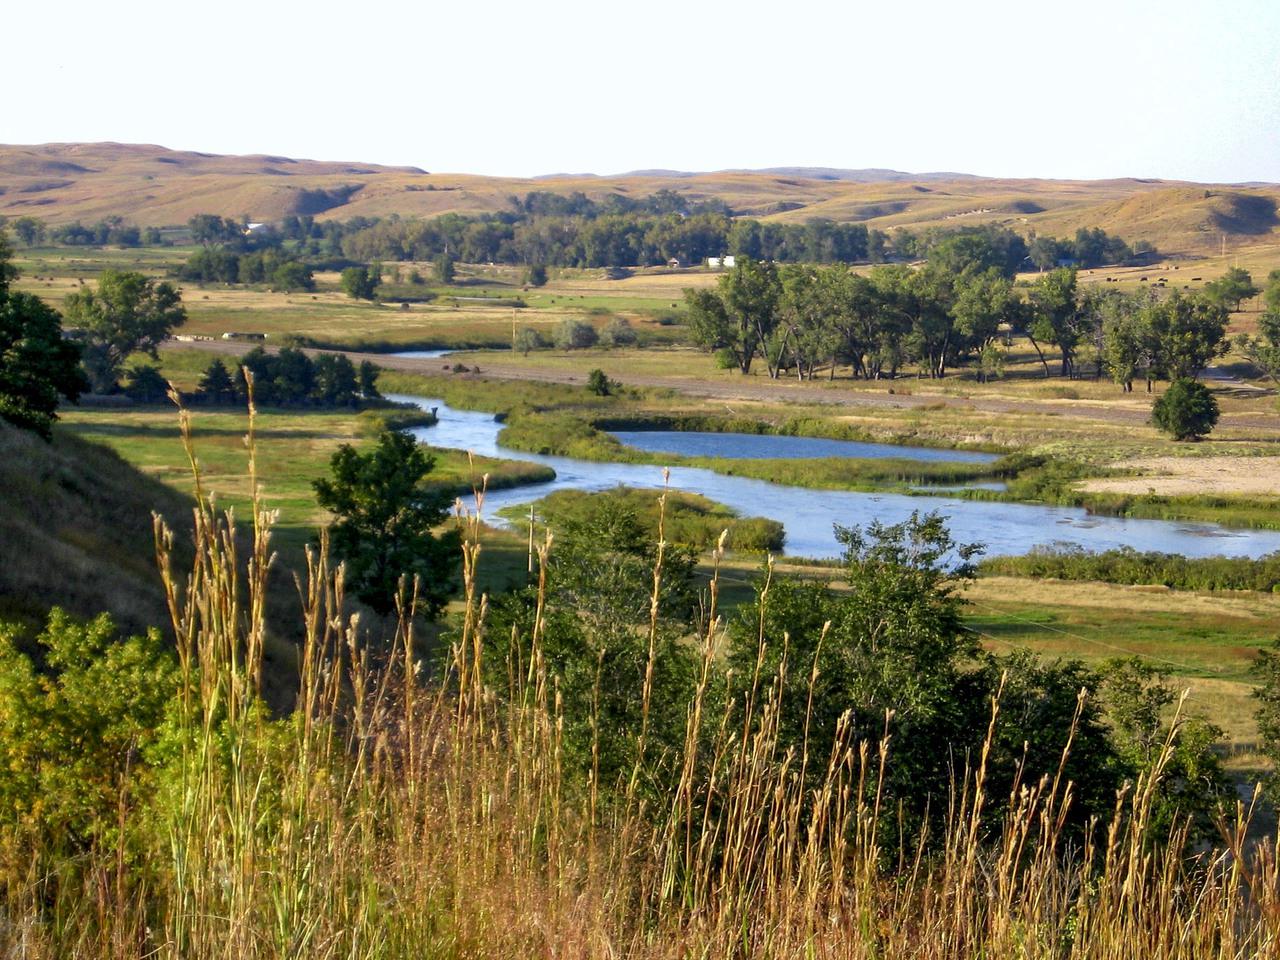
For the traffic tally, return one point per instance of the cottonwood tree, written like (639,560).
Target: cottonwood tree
(128,313)
(1231,289)
(1129,346)
(29,230)
(1263,350)
(1190,333)
(739,317)
(1055,317)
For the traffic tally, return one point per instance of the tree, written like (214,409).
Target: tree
(527,339)
(360,283)
(29,230)
(618,332)
(1231,289)
(740,316)
(895,641)
(575,335)
(711,328)
(1045,252)
(1188,333)
(334,381)
(1192,783)
(809,304)
(1263,351)
(80,709)
(982,302)
(536,276)
(38,366)
(1055,317)
(292,275)
(1128,344)
(599,383)
(751,292)
(1267,670)
(368,374)
(216,383)
(385,516)
(1186,411)
(444,268)
(209,229)
(925,298)
(597,626)
(128,313)
(145,384)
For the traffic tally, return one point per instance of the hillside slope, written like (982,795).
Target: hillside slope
(154,186)
(75,530)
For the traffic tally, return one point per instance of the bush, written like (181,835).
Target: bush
(599,383)
(618,333)
(575,335)
(1186,411)
(536,276)
(528,339)
(1129,566)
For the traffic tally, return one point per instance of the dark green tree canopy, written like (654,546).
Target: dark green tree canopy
(360,283)
(385,515)
(128,313)
(216,383)
(1186,411)
(38,366)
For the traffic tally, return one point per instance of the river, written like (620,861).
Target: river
(808,514)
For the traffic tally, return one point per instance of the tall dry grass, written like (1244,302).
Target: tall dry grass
(396,814)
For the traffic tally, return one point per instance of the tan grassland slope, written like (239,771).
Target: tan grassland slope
(154,186)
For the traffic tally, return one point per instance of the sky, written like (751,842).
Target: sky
(1079,90)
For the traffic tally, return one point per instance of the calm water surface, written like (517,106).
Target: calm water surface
(751,446)
(808,515)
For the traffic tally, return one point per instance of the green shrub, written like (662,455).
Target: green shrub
(598,382)
(1186,411)
(575,335)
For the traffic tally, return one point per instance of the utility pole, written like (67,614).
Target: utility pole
(531,541)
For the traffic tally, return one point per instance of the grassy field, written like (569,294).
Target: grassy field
(294,449)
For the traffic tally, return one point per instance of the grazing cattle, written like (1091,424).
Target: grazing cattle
(1143,279)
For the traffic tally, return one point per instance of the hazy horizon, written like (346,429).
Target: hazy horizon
(1114,90)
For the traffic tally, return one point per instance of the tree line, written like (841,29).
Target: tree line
(608,239)
(544,229)
(113,230)
(960,307)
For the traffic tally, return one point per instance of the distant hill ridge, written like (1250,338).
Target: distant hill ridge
(868,175)
(154,186)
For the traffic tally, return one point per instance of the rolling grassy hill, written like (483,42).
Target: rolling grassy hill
(76,530)
(153,186)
